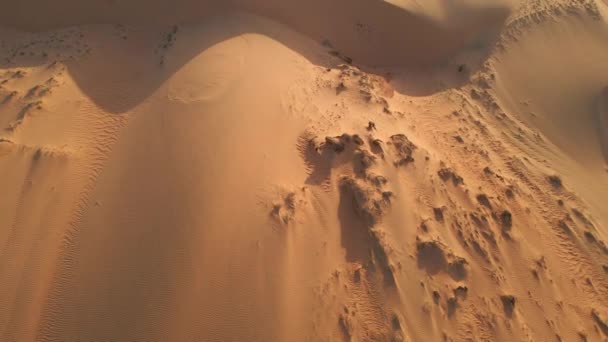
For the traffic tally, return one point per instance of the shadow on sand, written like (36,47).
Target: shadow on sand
(376,35)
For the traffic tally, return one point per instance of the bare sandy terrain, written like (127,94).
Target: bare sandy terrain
(265,170)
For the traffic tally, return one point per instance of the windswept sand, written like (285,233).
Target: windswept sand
(304,170)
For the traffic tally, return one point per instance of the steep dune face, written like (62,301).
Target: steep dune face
(236,176)
(565,110)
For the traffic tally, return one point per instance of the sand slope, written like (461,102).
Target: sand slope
(270,171)
(372,32)
(603,120)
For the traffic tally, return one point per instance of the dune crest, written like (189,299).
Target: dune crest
(210,74)
(376,33)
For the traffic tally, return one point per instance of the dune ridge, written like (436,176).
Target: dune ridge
(358,28)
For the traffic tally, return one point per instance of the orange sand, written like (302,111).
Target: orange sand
(266,170)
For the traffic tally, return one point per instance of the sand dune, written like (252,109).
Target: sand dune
(372,32)
(564,111)
(304,171)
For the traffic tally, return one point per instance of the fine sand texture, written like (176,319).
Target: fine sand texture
(288,170)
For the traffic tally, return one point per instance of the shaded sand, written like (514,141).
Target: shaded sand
(303,171)
(603,120)
(376,33)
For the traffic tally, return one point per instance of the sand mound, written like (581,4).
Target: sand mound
(245,170)
(433,258)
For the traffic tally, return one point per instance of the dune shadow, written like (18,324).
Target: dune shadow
(603,121)
(371,34)
(354,232)
(119,75)
(431,258)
